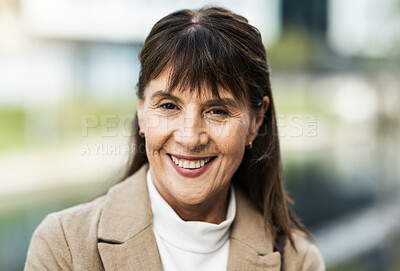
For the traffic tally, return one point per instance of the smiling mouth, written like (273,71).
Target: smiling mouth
(191,164)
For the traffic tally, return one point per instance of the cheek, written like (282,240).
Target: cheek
(230,138)
(156,130)
(227,130)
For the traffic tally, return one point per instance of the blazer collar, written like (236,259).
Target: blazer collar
(126,240)
(126,210)
(125,236)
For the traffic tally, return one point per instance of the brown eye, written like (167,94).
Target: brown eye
(218,111)
(168,106)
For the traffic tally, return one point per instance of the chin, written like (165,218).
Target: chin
(191,198)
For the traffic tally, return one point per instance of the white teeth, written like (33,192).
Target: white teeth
(190,164)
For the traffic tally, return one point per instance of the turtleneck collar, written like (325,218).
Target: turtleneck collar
(192,236)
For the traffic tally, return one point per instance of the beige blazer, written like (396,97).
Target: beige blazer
(114,232)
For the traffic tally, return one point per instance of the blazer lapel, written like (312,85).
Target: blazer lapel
(250,248)
(125,236)
(138,253)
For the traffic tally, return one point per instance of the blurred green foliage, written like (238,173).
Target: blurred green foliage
(12,128)
(73,114)
(23,128)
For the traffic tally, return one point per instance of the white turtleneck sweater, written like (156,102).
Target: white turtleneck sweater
(189,245)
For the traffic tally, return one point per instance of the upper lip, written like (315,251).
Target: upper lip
(191,157)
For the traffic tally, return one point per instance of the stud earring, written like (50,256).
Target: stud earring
(250,146)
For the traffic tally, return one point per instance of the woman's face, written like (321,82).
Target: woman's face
(194,144)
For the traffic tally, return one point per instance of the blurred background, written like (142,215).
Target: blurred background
(68,71)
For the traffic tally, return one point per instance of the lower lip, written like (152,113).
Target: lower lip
(191,172)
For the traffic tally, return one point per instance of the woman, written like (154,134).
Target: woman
(204,189)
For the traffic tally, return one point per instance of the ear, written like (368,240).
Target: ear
(139,111)
(258,120)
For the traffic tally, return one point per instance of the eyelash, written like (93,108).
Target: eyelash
(222,111)
(163,106)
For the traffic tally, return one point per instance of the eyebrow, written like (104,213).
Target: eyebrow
(209,103)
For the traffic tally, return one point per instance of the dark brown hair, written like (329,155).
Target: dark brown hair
(215,48)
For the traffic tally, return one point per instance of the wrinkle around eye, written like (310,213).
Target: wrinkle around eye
(234,113)
(158,105)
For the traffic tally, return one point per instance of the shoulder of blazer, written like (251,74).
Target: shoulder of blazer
(251,247)
(307,256)
(121,207)
(60,239)
(77,229)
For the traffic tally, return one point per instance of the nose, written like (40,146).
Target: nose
(191,134)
